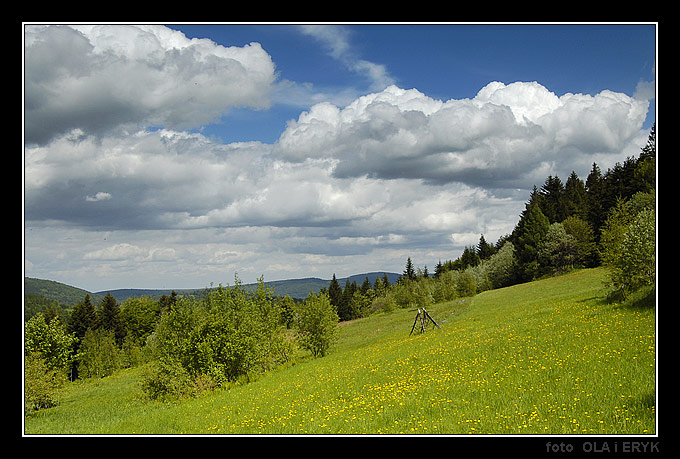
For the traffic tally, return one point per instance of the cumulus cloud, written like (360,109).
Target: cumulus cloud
(498,138)
(347,186)
(101,79)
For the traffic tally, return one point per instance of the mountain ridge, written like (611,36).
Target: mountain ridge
(297,288)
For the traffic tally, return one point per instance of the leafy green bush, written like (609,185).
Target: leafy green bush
(628,244)
(99,355)
(47,358)
(206,343)
(41,383)
(316,323)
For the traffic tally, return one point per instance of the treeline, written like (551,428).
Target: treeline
(192,344)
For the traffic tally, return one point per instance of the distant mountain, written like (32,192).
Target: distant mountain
(295,288)
(64,294)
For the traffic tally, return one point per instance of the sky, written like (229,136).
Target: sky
(189,155)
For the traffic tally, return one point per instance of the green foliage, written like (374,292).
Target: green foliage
(528,235)
(582,232)
(50,341)
(140,315)
(316,323)
(35,303)
(206,343)
(109,318)
(628,244)
(41,383)
(83,317)
(47,358)
(409,271)
(99,355)
(558,249)
(501,266)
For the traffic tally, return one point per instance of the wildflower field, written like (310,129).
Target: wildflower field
(548,357)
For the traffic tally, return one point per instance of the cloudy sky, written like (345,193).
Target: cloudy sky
(176,156)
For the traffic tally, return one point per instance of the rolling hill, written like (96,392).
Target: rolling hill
(295,288)
(549,357)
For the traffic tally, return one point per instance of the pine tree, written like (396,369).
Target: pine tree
(530,231)
(484,249)
(468,258)
(109,318)
(552,199)
(596,210)
(409,272)
(575,203)
(438,269)
(365,286)
(645,169)
(335,293)
(83,317)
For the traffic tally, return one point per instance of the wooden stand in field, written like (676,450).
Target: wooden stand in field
(422,315)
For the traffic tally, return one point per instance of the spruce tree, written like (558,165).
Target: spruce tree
(83,317)
(409,272)
(575,197)
(335,293)
(596,210)
(109,318)
(484,249)
(552,199)
(530,231)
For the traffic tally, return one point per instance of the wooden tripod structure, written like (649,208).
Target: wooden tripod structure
(422,315)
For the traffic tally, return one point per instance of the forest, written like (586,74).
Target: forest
(228,335)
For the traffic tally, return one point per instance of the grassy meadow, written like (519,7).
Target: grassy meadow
(548,357)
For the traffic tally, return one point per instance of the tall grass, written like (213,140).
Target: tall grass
(549,357)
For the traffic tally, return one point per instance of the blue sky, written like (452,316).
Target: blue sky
(178,156)
(447,61)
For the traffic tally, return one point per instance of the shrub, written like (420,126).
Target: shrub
(558,250)
(316,323)
(445,286)
(628,244)
(99,355)
(41,383)
(383,303)
(206,343)
(47,359)
(501,266)
(466,284)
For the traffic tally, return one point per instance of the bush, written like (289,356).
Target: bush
(445,286)
(316,323)
(413,293)
(628,244)
(501,266)
(99,354)
(558,250)
(47,359)
(206,343)
(383,303)
(41,383)
(467,286)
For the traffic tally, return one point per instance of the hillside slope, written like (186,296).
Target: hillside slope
(547,357)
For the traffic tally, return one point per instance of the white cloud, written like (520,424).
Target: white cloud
(114,185)
(103,78)
(497,139)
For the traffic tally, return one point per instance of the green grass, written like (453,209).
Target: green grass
(549,357)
